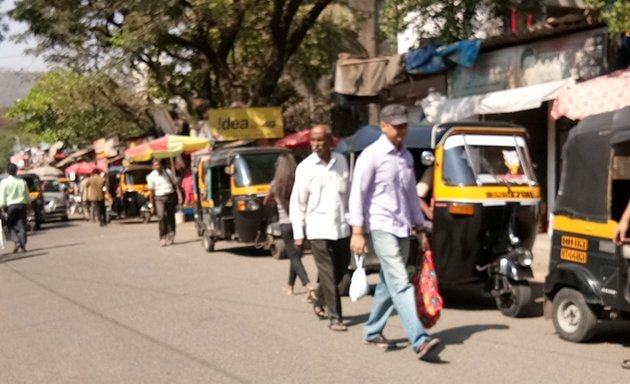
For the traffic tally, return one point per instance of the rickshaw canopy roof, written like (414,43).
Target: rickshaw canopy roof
(222,157)
(584,182)
(417,137)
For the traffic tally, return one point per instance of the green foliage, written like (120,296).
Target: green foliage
(615,13)
(209,53)
(75,109)
(8,135)
(453,19)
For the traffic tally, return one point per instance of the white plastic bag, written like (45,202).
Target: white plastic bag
(2,240)
(358,284)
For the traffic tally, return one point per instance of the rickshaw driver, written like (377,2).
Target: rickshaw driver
(620,237)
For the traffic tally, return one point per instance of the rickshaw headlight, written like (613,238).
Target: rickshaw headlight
(253,205)
(525,257)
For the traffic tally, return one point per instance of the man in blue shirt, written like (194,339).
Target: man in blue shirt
(14,199)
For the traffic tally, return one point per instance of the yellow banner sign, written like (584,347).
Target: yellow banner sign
(246,123)
(572,255)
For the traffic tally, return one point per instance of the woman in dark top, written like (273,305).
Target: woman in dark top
(280,192)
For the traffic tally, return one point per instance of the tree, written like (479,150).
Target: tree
(209,53)
(8,138)
(450,20)
(615,13)
(76,109)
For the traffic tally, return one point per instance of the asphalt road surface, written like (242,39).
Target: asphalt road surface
(109,305)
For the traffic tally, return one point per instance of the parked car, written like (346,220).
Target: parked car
(55,199)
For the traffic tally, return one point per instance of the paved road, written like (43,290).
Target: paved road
(92,305)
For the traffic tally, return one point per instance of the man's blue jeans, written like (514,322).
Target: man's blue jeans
(393,290)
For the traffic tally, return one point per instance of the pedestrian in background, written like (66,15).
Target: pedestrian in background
(87,214)
(280,192)
(317,209)
(95,192)
(164,197)
(14,200)
(384,202)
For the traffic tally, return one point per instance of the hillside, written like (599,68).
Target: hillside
(15,85)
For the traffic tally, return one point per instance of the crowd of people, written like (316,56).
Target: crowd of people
(335,214)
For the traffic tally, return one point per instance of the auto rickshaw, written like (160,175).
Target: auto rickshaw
(35,216)
(485,207)
(132,193)
(230,186)
(589,276)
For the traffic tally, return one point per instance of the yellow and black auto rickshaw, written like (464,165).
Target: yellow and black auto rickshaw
(132,193)
(36,211)
(589,277)
(230,186)
(485,207)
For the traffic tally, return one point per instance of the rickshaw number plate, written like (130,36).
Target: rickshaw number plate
(572,255)
(574,242)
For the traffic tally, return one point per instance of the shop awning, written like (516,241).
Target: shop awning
(598,95)
(441,110)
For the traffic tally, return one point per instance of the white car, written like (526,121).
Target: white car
(55,199)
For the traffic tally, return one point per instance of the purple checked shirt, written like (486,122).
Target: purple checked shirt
(383,194)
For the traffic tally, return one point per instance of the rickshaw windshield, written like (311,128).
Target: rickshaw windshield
(471,159)
(136,177)
(52,186)
(33,184)
(254,169)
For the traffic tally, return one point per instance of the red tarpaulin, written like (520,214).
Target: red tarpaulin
(82,168)
(301,139)
(598,95)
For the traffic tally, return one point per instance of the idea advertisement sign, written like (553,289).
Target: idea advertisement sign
(246,123)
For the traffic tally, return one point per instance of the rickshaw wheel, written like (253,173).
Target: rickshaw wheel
(513,304)
(573,319)
(207,242)
(278,249)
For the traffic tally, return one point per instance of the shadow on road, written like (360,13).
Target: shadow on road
(474,297)
(35,252)
(7,258)
(247,251)
(459,335)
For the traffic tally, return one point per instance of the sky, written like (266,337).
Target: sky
(12,55)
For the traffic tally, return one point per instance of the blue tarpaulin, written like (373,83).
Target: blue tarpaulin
(433,58)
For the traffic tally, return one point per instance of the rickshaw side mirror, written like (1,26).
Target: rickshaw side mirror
(229,169)
(427,158)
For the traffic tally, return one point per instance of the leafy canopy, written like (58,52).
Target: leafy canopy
(209,53)
(450,20)
(615,13)
(77,109)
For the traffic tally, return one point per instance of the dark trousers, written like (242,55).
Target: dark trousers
(16,223)
(332,258)
(296,268)
(98,211)
(165,207)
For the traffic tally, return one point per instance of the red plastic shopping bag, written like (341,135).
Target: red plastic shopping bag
(428,299)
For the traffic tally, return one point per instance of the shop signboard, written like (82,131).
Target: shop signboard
(246,123)
(579,55)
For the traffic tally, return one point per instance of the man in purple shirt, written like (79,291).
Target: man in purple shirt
(383,200)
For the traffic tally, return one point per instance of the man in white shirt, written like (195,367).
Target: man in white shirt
(164,197)
(317,209)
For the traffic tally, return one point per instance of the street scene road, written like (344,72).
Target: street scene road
(109,305)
